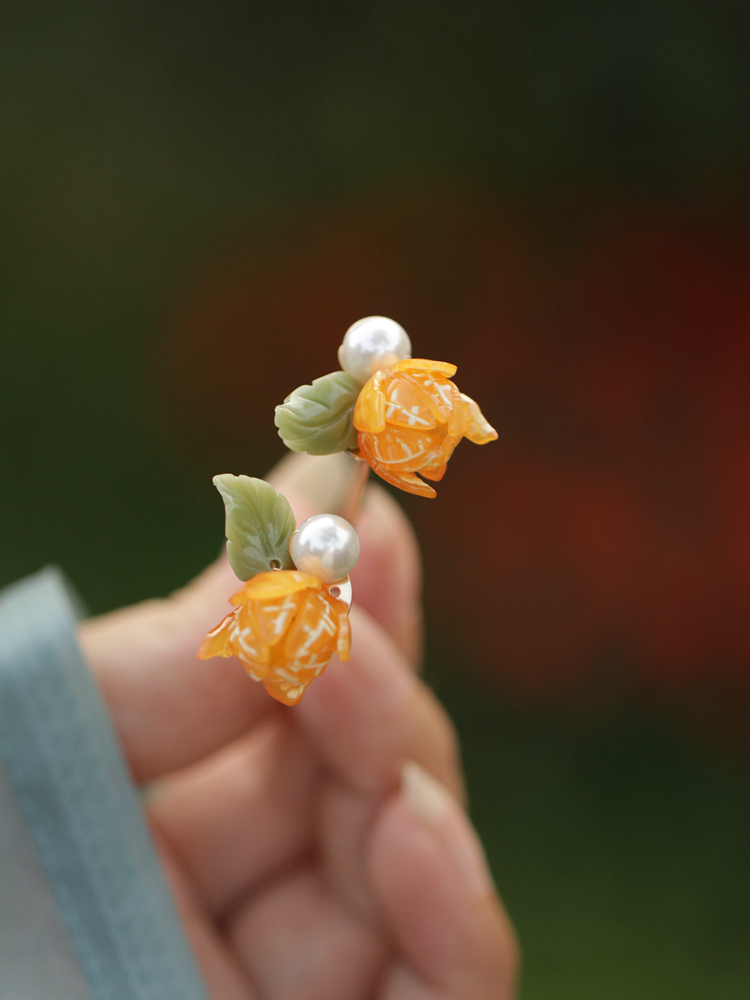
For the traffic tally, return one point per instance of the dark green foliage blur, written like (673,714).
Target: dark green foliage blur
(138,142)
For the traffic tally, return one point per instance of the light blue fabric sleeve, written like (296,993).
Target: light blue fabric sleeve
(81,810)
(37,958)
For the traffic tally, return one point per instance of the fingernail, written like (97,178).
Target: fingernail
(322,480)
(435,807)
(425,795)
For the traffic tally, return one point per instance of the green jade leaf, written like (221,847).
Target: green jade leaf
(259,524)
(317,418)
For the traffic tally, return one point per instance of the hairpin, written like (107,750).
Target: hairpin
(403,416)
(287,622)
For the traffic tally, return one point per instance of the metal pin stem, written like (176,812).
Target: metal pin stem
(352,501)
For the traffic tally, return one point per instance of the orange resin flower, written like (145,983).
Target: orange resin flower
(402,415)
(287,622)
(410,417)
(284,629)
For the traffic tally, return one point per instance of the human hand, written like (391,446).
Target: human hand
(318,852)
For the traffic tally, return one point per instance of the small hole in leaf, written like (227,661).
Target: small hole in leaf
(275,564)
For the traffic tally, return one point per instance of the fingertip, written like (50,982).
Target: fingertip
(313,484)
(387,581)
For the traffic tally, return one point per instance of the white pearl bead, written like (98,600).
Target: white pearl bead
(325,546)
(372,343)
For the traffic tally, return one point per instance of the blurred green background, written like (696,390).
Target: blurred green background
(196,200)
